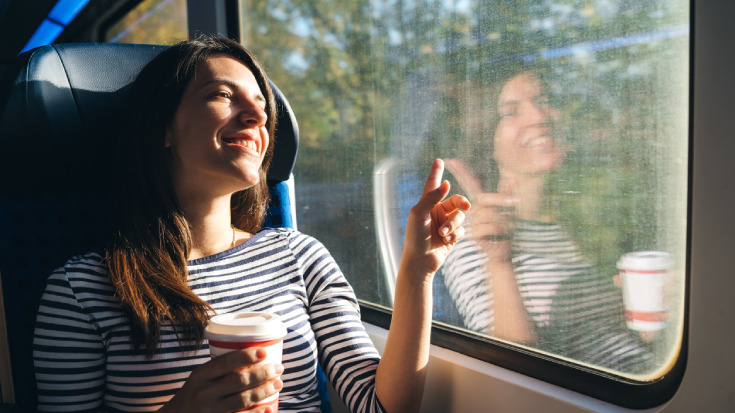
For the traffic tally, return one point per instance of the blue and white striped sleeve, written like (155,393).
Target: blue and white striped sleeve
(68,351)
(469,283)
(346,353)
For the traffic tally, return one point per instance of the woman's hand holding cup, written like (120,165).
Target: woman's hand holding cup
(230,382)
(245,371)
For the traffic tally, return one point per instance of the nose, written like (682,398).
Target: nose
(252,114)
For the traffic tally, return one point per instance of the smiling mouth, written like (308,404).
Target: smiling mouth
(539,141)
(245,143)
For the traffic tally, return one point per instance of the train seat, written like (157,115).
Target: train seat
(57,103)
(397,184)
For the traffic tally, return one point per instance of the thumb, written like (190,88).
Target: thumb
(435,196)
(435,189)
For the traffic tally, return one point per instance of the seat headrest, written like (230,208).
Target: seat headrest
(58,116)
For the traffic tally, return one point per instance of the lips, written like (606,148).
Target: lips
(539,141)
(243,142)
(538,138)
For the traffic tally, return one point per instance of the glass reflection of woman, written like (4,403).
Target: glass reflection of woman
(519,275)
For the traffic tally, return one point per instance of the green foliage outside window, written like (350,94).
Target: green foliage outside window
(352,69)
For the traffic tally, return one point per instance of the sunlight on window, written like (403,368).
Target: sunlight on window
(565,124)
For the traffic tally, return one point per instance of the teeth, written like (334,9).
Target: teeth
(537,141)
(246,143)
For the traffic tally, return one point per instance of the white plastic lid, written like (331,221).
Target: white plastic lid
(646,261)
(245,327)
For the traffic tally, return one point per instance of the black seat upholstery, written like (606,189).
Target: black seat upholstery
(58,114)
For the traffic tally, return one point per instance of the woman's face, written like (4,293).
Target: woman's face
(523,139)
(217,138)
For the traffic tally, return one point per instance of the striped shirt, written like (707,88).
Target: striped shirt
(84,360)
(577,311)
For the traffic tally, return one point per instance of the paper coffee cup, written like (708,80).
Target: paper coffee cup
(229,332)
(644,275)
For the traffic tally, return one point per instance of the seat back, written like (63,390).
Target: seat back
(58,104)
(397,184)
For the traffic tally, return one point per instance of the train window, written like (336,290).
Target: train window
(566,124)
(151,22)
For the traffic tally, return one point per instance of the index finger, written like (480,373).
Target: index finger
(435,176)
(466,179)
(230,362)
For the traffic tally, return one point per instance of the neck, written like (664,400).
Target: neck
(210,224)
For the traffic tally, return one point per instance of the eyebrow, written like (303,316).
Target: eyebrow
(233,85)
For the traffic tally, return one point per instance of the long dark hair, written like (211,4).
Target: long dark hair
(147,254)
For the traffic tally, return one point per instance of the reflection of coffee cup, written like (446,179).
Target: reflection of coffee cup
(228,332)
(645,275)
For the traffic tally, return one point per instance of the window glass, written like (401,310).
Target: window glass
(564,121)
(151,22)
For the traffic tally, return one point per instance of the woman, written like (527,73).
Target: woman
(519,275)
(123,330)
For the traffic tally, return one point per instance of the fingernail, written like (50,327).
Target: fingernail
(275,370)
(278,384)
(444,231)
(261,354)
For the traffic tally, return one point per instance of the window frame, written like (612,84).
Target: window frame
(595,383)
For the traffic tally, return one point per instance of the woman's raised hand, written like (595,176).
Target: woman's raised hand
(434,224)
(492,213)
(227,383)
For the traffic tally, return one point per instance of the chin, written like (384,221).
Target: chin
(249,181)
(552,162)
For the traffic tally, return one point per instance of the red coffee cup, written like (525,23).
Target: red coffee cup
(228,332)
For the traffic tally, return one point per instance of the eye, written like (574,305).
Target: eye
(222,94)
(508,112)
(262,103)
